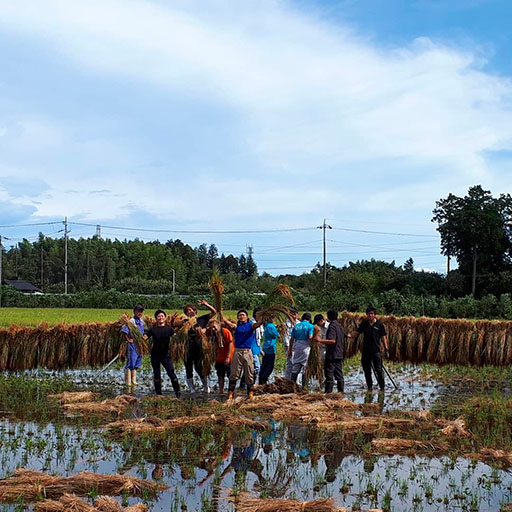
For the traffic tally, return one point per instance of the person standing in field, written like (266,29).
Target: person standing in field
(334,353)
(161,334)
(133,358)
(288,326)
(268,350)
(300,345)
(242,358)
(320,333)
(256,349)
(374,333)
(194,355)
(225,351)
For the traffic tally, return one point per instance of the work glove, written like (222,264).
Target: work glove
(387,354)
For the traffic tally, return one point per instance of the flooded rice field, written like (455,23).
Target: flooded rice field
(210,466)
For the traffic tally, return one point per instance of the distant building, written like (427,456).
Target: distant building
(22,286)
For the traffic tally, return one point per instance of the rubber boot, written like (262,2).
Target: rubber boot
(128,377)
(221,385)
(206,387)
(176,387)
(134,377)
(190,384)
(231,395)
(329,386)
(250,392)
(341,386)
(158,386)
(231,389)
(294,377)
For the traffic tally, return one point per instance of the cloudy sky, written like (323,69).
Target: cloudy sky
(203,116)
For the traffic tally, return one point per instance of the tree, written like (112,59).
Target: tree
(476,228)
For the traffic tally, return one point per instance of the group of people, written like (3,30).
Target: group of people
(240,344)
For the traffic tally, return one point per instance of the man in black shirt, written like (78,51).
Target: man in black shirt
(334,352)
(373,332)
(161,335)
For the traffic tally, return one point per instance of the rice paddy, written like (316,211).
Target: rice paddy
(442,441)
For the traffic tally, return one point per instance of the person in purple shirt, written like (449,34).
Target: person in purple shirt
(133,358)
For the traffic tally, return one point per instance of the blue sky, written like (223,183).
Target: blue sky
(255,115)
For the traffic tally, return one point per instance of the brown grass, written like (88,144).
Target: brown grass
(72,503)
(115,405)
(69,397)
(29,485)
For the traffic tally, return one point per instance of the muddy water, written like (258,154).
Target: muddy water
(286,461)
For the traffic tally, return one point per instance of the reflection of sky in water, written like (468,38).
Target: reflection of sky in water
(283,462)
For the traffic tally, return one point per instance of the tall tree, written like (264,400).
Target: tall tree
(475,229)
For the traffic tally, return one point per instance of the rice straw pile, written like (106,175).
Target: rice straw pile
(70,502)
(500,457)
(439,340)
(244,502)
(69,397)
(141,344)
(29,485)
(280,386)
(315,366)
(156,425)
(115,405)
(456,428)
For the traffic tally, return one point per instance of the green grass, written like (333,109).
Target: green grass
(52,316)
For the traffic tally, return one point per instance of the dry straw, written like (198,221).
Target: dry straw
(244,502)
(277,305)
(115,405)
(72,503)
(29,485)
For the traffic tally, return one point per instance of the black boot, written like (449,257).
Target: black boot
(158,386)
(176,387)
(341,386)
(294,377)
(329,385)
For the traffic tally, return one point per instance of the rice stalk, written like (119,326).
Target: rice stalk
(277,304)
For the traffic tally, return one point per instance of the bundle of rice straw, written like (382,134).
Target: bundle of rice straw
(70,502)
(29,485)
(280,386)
(277,305)
(115,405)
(69,397)
(456,428)
(217,289)
(141,344)
(247,503)
(179,342)
(315,366)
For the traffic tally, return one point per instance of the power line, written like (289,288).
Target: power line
(29,225)
(384,233)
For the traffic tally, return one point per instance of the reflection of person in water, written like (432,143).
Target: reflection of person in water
(297,440)
(333,460)
(210,463)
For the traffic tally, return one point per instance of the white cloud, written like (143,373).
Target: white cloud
(315,99)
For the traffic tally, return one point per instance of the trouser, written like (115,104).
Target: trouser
(242,361)
(133,359)
(267,367)
(257,367)
(194,359)
(300,356)
(288,367)
(165,361)
(333,370)
(376,359)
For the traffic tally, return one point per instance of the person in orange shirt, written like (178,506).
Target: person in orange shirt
(225,350)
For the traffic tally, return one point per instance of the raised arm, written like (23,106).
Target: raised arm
(213,311)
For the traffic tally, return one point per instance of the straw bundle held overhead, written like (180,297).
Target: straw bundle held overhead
(277,305)
(217,289)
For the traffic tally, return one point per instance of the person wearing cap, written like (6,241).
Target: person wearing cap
(133,358)
(242,358)
(374,333)
(161,334)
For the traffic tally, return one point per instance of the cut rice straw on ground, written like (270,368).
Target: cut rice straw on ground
(157,425)
(247,503)
(29,485)
(115,405)
(72,503)
(280,386)
(70,397)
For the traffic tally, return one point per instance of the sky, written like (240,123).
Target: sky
(248,123)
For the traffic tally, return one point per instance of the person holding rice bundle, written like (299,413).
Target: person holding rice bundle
(225,350)
(194,355)
(133,358)
(242,358)
(161,334)
(270,334)
(300,345)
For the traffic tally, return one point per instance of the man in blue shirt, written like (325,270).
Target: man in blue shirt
(242,358)
(300,345)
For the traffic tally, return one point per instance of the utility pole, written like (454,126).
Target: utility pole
(1,251)
(323,227)
(473,280)
(65,255)
(173,280)
(250,250)
(42,275)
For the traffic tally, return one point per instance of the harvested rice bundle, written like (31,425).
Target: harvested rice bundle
(280,386)
(69,397)
(70,502)
(406,446)
(179,342)
(456,428)
(277,305)
(141,344)
(116,405)
(247,503)
(500,457)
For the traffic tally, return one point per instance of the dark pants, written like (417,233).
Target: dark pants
(333,370)
(267,367)
(367,361)
(165,361)
(194,359)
